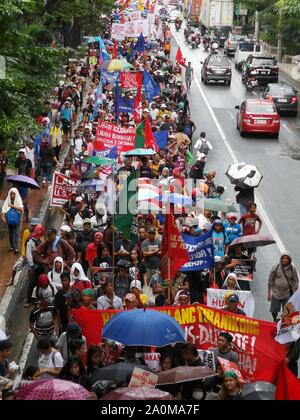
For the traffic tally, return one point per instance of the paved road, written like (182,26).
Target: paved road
(213,111)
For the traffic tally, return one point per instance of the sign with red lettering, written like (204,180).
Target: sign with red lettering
(143,378)
(110,135)
(62,187)
(131,79)
(216,299)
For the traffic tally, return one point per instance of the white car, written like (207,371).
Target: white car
(244,49)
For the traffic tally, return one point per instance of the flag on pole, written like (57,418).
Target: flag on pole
(179,58)
(288,386)
(150,86)
(150,142)
(173,249)
(102,48)
(115,52)
(124,218)
(140,44)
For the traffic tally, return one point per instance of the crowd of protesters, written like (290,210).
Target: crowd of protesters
(64,263)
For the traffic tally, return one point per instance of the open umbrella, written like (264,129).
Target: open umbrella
(244,175)
(23,181)
(99,161)
(219,205)
(52,389)
(118,372)
(144,327)
(184,374)
(140,152)
(174,198)
(259,391)
(116,65)
(135,394)
(253,241)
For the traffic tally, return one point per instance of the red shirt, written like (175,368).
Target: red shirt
(248,222)
(81,285)
(91,253)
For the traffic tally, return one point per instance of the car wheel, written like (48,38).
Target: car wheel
(275,136)
(228,82)
(295,114)
(205,81)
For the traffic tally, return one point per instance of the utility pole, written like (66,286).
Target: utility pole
(280,41)
(256,24)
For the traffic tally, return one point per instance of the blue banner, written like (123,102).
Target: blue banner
(111,153)
(109,78)
(201,252)
(161,138)
(122,104)
(151,87)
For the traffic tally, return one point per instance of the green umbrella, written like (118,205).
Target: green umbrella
(99,161)
(219,205)
(140,152)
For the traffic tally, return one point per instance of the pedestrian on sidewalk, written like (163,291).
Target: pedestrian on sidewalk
(12,212)
(282,284)
(3,164)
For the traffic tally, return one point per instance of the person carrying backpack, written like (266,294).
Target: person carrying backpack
(202,145)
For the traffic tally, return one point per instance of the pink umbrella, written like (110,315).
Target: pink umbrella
(253,241)
(52,389)
(137,394)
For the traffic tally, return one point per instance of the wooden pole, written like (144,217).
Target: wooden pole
(169,278)
(113,252)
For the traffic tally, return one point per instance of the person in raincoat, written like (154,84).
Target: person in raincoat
(56,272)
(12,211)
(231,283)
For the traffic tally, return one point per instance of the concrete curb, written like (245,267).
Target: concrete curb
(12,294)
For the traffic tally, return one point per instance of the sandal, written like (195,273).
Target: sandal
(26,305)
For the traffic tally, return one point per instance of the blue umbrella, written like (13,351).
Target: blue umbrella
(175,199)
(141,327)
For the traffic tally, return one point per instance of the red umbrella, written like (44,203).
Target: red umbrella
(253,241)
(52,389)
(137,394)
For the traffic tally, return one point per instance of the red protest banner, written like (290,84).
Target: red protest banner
(131,80)
(62,187)
(259,355)
(230,366)
(110,135)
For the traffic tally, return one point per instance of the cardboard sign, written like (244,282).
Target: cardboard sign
(207,357)
(142,378)
(118,31)
(227,365)
(62,187)
(216,299)
(152,361)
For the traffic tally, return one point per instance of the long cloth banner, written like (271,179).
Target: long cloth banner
(259,356)
(110,135)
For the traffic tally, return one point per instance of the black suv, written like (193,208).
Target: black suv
(216,68)
(263,67)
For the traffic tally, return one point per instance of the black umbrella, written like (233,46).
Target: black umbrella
(120,372)
(259,391)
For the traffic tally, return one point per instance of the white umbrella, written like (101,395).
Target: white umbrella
(244,175)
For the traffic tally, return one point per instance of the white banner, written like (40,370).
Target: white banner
(135,16)
(216,299)
(118,31)
(289,326)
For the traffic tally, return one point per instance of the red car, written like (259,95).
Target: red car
(258,116)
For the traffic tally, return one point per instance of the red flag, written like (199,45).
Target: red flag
(138,107)
(115,51)
(174,252)
(179,57)
(288,386)
(150,142)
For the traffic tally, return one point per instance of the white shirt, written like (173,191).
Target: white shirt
(30,155)
(104,303)
(199,142)
(50,361)
(77,143)
(63,346)
(153,113)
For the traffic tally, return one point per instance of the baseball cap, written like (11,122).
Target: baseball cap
(218,259)
(87,221)
(74,330)
(232,215)
(34,221)
(233,298)
(79,200)
(137,284)
(131,297)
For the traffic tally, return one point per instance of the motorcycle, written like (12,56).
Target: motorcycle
(214,49)
(206,43)
(251,84)
(178,26)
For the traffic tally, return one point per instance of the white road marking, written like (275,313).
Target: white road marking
(269,224)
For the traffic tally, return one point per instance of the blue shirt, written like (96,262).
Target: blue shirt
(232,232)
(66,114)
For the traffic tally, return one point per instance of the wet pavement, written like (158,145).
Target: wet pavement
(7,260)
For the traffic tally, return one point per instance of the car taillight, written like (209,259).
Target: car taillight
(270,97)
(246,120)
(294,99)
(276,68)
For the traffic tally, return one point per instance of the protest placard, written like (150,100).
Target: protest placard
(142,378)
(62,187)
(216,299)
(230,366)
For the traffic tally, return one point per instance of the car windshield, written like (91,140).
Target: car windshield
(263,62)
(219,61)
(257,108)
(238,38)
(246,47)
(281,90)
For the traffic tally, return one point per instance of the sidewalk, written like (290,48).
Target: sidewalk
(36,198)
(291,72)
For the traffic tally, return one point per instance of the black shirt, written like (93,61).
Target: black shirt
(47,155)
(23,166)
(60,303)
(4,366)
(84,214)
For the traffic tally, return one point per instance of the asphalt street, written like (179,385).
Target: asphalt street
(213,110)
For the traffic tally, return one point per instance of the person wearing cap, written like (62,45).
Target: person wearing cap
(88,299)
(232,304)
(224,348)
(23,165)
(79,214)
(73,332)
(53,247)
(122,280)
(231,389)
(136,289)
(131,302)
(109,300)
(232,229)
(151,251)
(44,290)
